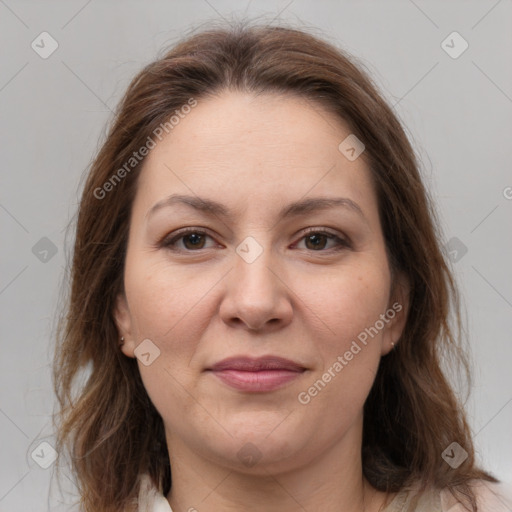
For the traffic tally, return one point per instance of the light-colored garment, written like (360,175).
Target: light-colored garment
(490,498)
(150,498)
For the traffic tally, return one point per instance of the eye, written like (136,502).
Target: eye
(317,239)
(194,239)
(191,238)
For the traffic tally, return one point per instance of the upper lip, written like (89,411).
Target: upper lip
(250,364)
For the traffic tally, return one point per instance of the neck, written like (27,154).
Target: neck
(332,482)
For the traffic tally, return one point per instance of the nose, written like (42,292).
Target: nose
(257,296)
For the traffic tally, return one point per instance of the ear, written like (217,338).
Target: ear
(123,320)
(396,313)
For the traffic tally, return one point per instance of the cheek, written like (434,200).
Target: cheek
(166,308)
(171,308)
(346,300)
(348,349)
(347,304)
(163,298)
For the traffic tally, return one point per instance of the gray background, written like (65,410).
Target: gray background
(53,113)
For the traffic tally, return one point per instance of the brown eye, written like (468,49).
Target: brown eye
(195,241)
(318,241)
(187,240)
(190,240)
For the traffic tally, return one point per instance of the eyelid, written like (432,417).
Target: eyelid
(342,240)
(175,236)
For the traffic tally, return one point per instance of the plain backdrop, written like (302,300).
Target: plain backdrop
(455,104)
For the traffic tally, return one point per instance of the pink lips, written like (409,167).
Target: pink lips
(257,375)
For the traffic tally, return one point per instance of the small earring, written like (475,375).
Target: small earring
(392,345)
(121,342)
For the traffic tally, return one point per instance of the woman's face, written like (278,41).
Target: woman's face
(284,258)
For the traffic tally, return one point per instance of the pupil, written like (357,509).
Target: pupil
(194,239)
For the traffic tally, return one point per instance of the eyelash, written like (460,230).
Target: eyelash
(170,242)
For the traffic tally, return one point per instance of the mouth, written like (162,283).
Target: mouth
(257,374)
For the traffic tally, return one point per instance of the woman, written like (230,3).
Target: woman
(259,296)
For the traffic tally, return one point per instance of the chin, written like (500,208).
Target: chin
(258,451)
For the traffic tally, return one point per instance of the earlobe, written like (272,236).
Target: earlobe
(398,309)
(123,322)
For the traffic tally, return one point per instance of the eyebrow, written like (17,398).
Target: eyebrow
(304,206)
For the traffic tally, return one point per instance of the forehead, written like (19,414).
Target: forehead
(268,148)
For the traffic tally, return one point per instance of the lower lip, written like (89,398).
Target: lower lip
(264,380)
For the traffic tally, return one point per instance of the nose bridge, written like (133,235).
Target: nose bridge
(253,263)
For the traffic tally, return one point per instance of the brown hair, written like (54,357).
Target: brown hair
(108,424)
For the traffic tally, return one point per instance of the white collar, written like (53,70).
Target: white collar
(150,498)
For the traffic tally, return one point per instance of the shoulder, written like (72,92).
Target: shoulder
(490,497)
(151,498)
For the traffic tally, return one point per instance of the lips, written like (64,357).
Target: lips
(248,364)
(257,374)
